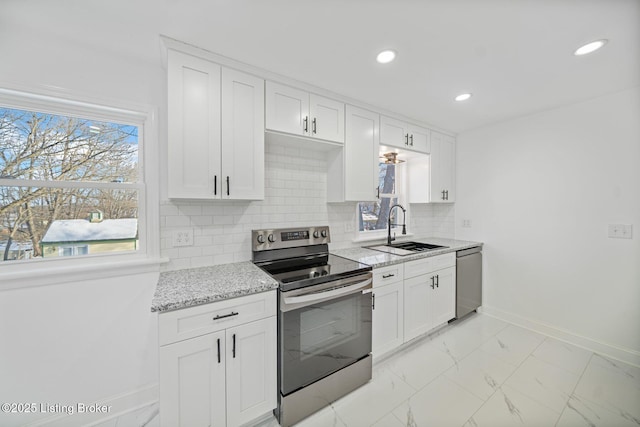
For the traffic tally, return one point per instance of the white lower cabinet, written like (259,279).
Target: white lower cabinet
(388,318)
(412,298)
(222,378)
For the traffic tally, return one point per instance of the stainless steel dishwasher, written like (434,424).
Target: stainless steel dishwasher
(468,281)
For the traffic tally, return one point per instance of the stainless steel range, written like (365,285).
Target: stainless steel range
(324,319)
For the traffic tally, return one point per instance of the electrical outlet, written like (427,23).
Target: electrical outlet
(183,237)
(466,223)
(621,231)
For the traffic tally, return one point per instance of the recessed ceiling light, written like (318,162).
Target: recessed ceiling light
(590,47)
(463,97)
(386,56)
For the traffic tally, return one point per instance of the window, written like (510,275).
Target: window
(70,179)
(373,216)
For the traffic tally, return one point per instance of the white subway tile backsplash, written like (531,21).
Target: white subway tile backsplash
(295,195)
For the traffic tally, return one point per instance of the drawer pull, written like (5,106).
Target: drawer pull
(386,276)
(218,317)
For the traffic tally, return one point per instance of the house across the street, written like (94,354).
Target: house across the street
(90,236)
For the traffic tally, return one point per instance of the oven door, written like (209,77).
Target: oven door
(323,329)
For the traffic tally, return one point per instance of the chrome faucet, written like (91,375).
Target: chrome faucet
(404,226)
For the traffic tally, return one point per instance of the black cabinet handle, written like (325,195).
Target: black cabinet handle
(313,124)
(215,185)
(443,195)
(406,139)
(233,350)
(218,350)
(433,282)
(306,123)
(446,194)
(373,301)
(218,317)
(227,185)
(378,196)
(386,276)
(437,280)
(411,140)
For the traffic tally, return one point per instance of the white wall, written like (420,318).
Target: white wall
(77,342)
(540,191)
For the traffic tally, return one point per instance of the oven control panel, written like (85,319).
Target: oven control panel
(282,238)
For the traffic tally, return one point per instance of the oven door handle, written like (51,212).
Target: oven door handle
(310,299)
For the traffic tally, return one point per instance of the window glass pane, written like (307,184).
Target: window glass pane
(387,179)
(51,147)
(375,215)
(45,222)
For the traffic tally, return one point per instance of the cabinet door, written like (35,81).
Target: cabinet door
(192,382)
(327,118)
(193,125)
(361,155)
(416,310)
(242,136)
(419,139)
(442,301)
(442,168)
(448,170)
(388,318)
(393,132)
(251,371)
(287,109)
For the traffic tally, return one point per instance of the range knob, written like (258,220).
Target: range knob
(271,238)
(260,238)
(324,233)
(316,234)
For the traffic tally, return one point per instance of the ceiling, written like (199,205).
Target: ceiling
(515,56)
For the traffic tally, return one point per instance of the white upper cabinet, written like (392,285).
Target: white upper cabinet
(443,168)
(194,126)
(327,118)
(399,134)
(353,169)
(432,178)
(216,131)
(242,135)
(298,112)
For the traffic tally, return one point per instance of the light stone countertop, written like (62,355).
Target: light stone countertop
(195,286)
(378,259)
(186,288)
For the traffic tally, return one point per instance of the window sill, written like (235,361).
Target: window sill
(29,275)
(379,237)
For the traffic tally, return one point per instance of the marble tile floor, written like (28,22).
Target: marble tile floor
(479,372)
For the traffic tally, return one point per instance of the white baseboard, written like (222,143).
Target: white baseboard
(120,404)
(618,353)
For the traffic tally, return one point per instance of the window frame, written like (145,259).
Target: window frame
(401,194)
(54,270)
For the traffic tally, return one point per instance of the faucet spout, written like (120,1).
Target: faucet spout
(404,225)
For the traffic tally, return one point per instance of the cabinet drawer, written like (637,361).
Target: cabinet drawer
(427,265)
(203,319)
(387,275)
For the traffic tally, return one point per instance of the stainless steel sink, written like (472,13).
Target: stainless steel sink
(405,248)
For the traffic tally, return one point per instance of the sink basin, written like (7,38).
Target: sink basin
(405,248)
